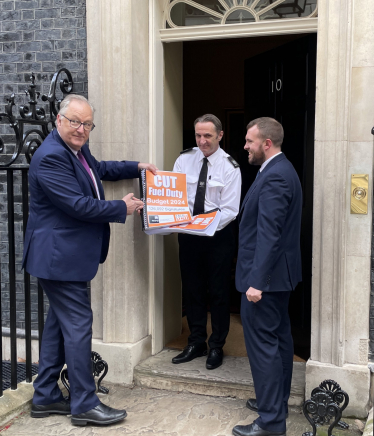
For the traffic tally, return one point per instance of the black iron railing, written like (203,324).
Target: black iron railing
(13,172)
(23,147)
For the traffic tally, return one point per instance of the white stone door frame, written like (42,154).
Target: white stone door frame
(157,37)
(342,241)
(343,146)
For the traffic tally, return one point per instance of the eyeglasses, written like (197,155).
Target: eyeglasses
(76,124)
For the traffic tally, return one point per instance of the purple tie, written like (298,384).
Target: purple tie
(83,161)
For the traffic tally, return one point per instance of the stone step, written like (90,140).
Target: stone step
(232,379)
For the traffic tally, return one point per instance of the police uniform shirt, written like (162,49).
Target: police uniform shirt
(223,182)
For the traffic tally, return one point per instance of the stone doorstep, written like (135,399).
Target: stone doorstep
(232,379)
(368,430)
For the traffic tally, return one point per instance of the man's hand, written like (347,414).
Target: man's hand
(133,204)
(148,166)
(253,295)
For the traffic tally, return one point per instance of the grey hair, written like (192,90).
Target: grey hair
(69,98)
(268,128)
(209,118)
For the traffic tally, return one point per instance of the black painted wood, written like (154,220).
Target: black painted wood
(280,83)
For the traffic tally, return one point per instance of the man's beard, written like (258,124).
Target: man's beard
(257,158)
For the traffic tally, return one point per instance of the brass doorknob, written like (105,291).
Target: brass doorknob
(359,193)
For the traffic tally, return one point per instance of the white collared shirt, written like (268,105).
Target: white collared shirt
(223,182)
(267,161)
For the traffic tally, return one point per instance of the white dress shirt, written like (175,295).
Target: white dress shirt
(267,161)
(223,182)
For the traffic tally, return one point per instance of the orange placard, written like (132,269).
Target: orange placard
(200,222)
(202,225)
(165,199)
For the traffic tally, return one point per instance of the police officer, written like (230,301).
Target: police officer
(213,181)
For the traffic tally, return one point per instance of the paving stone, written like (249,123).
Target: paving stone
(160,412)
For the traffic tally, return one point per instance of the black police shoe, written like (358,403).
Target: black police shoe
(190,353)
(215,358)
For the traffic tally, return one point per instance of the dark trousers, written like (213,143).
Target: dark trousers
(205,264)
(66,339)
(267,333)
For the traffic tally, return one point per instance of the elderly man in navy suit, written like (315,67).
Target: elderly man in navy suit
(268,269)
(67,236)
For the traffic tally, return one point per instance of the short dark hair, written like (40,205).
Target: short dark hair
(268,128)
(209,118)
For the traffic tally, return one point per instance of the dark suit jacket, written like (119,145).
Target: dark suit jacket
(269,256)
(67,233)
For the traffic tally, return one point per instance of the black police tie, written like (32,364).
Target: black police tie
(198,207)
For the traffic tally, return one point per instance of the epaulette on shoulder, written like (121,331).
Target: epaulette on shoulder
(186,150)
(233,162)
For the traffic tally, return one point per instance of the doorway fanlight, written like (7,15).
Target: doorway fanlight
(290,7)
(190,13)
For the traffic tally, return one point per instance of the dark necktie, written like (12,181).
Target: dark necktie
(198,207)
(83,161)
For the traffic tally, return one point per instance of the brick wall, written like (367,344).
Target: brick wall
(40,37)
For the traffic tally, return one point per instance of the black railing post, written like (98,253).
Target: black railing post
(25,214)
(26,143)
(12,279)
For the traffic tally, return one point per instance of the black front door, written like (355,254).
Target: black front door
(280,83)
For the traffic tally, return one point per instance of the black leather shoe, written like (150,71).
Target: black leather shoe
(254,430)
(190,353)
(252,405)
(101,414)
(215,358)
(42,411)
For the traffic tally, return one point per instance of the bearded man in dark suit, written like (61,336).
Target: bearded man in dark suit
(268,269)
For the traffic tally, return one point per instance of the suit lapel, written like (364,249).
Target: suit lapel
(248,194)
(58,138)
(258,179)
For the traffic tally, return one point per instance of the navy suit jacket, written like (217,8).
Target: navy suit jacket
(67,233)
(269,257)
